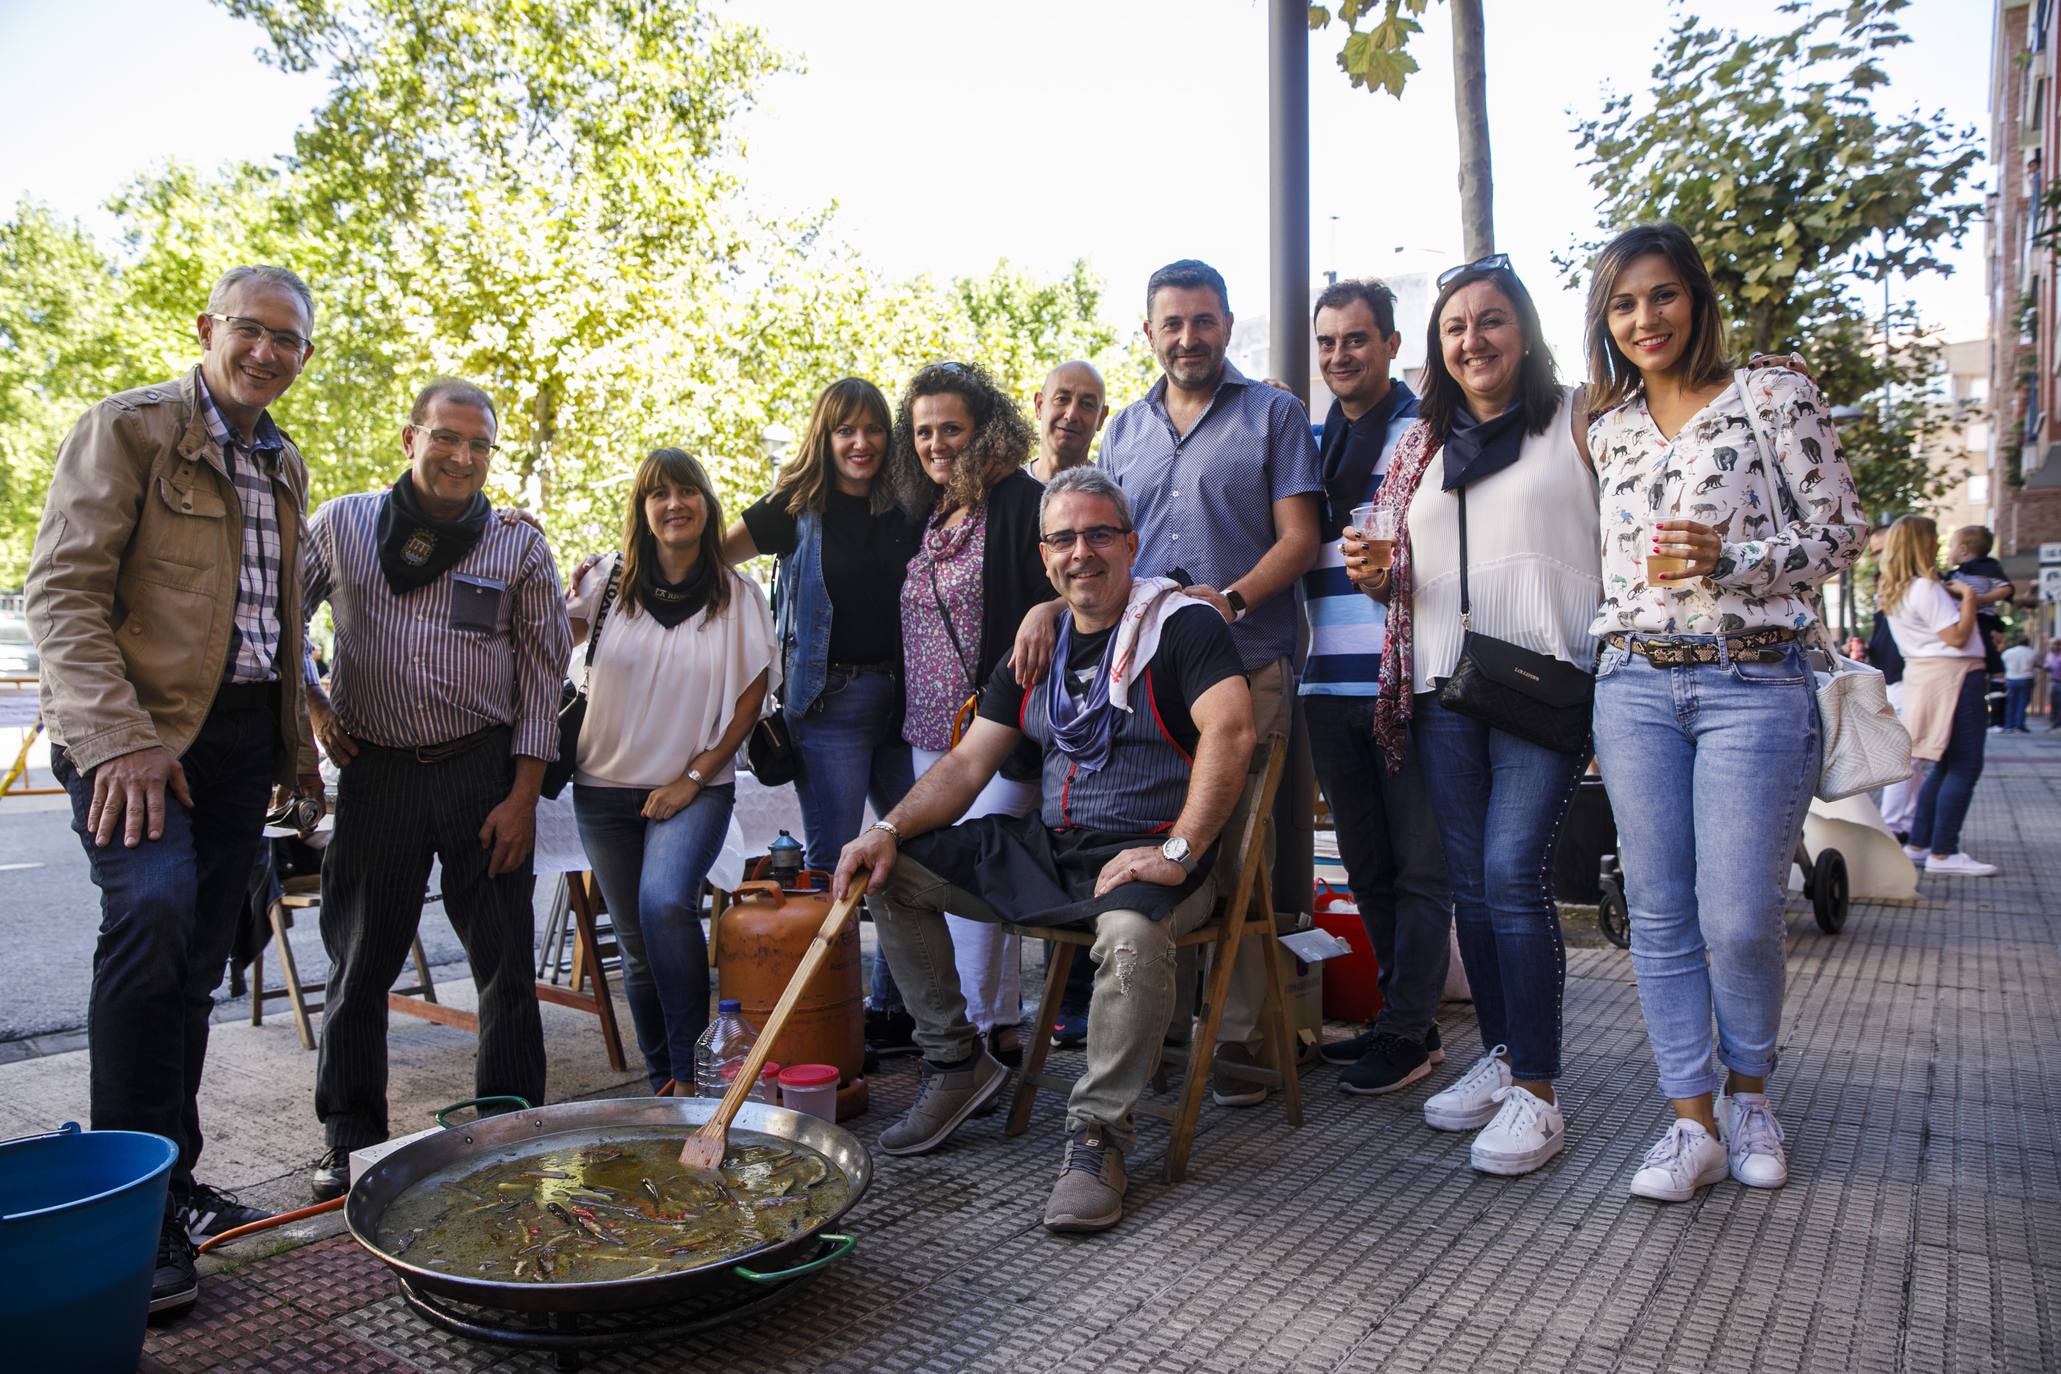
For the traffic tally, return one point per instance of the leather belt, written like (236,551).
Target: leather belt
(246,696)
(441,753)
(885,665)
(1663,651)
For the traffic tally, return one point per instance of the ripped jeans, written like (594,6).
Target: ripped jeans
(1128,1014)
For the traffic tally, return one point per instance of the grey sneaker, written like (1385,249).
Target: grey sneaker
(1227,1090)
(1089,1195)
(947,1097)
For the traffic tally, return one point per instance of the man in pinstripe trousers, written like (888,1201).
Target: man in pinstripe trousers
(451,644)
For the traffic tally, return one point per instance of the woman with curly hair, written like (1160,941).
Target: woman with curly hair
(962,443)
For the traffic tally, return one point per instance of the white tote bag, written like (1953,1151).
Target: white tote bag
(1865,745)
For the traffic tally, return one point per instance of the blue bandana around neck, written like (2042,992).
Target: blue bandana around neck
(1083,730)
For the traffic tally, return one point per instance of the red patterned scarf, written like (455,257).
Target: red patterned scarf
(1393,702)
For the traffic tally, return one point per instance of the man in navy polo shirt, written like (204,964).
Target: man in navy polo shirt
(1386,835)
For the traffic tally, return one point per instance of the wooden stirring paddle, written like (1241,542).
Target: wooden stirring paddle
(706,1147)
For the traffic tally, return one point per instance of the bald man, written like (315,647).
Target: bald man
(1071,405)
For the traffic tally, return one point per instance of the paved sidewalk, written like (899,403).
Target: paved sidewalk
(1920,1085)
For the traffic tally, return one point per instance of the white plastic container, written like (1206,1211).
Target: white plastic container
(810,1088)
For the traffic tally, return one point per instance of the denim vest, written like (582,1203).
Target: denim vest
(802,614)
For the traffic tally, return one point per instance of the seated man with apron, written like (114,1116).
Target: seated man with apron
(1144,724)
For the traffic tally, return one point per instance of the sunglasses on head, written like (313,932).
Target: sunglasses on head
(1494,262)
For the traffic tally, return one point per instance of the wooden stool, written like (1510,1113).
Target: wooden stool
(1244,912)
(305,894)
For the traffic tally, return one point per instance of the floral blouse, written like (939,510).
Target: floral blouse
(1785,527)
(937,681)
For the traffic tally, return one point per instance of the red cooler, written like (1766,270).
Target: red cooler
(1352,986)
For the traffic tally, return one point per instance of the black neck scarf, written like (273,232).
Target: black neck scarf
(1479,448)
(416,548)
(672,602)
(1351,450)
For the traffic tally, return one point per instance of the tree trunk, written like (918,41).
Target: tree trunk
(1470,107)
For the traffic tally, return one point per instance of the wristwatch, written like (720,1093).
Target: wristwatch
(1237,604)
(1176,851)
(694,776)
(889,827)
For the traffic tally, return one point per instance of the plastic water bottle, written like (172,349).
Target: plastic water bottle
(726,1042)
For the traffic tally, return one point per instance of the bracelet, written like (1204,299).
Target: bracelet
(888,826)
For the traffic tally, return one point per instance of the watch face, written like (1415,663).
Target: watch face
(1174,850)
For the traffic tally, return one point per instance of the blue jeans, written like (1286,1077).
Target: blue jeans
(1388,841)
(168,914)
(1499,801)
(1710,770)
(1950,786)
(2017,696)
(651,873)
(849,750)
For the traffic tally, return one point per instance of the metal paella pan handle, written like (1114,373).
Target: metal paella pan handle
(840,1246)
(519,1103)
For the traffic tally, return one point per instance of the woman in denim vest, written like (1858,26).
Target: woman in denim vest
(843,545)
(1725,503)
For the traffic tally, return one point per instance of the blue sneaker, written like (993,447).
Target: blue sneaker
(1070,1031)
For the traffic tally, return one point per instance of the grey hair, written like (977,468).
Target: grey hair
(284,277)
(1085,481)
(457,390)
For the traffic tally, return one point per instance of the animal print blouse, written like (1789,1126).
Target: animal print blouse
(1784,532)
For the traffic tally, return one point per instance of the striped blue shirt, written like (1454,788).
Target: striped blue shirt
(1348,628)
(1203,501)
(414,670)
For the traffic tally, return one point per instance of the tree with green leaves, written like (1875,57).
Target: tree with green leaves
(1769,151)
(1376,57)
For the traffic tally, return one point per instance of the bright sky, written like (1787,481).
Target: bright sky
(1129,132)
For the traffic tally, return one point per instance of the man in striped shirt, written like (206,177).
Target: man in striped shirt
(1386,835)
(451,645)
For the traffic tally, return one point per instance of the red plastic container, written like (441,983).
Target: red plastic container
(1352,985)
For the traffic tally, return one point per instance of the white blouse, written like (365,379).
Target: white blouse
(656,697)
(1532,574)
(1925,609)
(1783,531)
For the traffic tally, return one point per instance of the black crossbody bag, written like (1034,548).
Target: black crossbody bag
(769,748)
(572,702)
(1530,695)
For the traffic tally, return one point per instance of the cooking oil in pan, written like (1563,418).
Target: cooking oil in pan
(617,1209)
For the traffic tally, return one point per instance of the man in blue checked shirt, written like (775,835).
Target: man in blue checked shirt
(1386,835)
(442,712)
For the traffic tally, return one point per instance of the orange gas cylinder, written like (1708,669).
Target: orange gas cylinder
(760,940)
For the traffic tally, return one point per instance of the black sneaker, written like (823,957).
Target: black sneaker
(174,1284)
(332,1175)
(1390,1064)
(1434,1049)
(890,1032)
(1345,1052)
(207,1212)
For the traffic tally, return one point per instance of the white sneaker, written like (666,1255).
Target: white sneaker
(1753,1140)
(1917,853)
(1959,863)
(1470,1103)
(1527,1132)
(1685,1160)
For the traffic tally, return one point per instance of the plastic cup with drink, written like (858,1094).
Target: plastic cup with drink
(1662,568)
(1376,526)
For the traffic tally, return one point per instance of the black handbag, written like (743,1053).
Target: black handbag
(1530,695)
(769,748)
(572,701)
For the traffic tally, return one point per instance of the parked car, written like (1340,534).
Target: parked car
(17,653)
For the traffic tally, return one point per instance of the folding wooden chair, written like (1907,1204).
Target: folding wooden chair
(304,893)
(1244,912)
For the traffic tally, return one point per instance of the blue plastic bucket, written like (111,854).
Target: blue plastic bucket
(80,1213)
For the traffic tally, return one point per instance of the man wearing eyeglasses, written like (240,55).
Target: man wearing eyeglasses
(442,712)
(170,686)
(1143,724)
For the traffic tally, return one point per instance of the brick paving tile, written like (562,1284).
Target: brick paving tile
(1920,1087)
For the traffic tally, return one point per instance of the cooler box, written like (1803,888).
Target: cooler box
(1352,987)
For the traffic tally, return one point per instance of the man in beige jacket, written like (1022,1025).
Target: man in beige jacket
(164,597)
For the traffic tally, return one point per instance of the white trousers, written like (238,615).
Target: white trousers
(990,961)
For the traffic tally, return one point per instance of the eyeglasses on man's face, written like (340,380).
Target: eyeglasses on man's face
(1494,262)
(450,440)
(250,331)
(1098,537)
